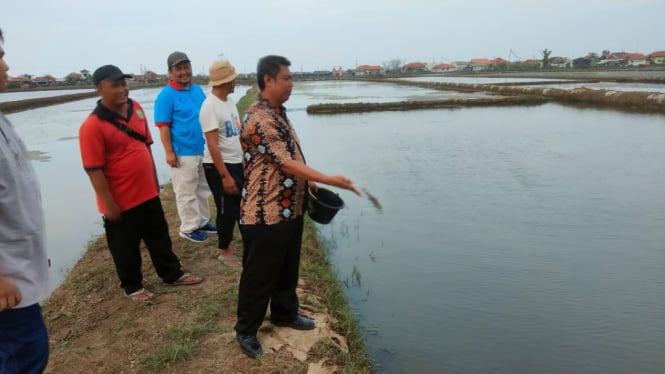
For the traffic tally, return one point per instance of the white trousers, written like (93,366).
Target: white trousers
(191,193)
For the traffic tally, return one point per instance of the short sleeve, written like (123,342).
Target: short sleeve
(207,117)
(164,107)
(148,135)
(91,142)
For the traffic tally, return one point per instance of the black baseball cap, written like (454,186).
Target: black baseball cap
(108,72)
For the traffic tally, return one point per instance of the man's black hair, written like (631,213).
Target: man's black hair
(2,39)
(269,65)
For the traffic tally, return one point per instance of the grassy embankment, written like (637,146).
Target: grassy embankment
(94,328)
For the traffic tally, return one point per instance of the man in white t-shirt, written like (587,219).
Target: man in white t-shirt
(222,160)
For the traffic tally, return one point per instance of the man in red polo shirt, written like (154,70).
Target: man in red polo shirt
(115,149)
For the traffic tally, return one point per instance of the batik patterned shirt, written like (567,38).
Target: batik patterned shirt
(269,196)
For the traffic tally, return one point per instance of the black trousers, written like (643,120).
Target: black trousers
(228,206)
(271,261)
(145,221)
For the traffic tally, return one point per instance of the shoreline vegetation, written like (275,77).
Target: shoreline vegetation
(94,328)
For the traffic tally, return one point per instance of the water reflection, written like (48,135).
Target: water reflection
(516,240)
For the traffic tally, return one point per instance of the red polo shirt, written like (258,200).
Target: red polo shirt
(125,161)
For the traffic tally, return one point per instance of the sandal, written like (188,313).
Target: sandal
(186,280)
(141,295)
(228,261)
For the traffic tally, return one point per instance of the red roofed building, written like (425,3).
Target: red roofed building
(414,67)
(657,57)
(368,70)
(478,64)
(628,59)
(498,61)
(442,67)
(45,80)
(532,62)
(19,82)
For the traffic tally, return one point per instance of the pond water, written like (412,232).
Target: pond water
(508,239)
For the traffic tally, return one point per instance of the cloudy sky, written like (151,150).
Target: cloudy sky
(58,37)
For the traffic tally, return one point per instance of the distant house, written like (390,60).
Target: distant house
(461,65)
(45,80)
(628,59)
(149,77)
(499,61)
(85,74)
(582,62)
(657,57)
(479,64)
(363,70)
(414,67)
(559,62)
(440,68)
(533,62)
(19,82)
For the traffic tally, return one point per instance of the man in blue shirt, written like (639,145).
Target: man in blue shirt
(177,117)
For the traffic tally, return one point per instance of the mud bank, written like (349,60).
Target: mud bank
(20,105)
(428,104)
(652,102)
(626,75)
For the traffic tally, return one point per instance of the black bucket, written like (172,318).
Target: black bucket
(323,204)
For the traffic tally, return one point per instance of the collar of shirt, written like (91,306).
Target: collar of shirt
(280,110)
(106,114)
(176,86)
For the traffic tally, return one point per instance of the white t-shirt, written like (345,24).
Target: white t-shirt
(223,116)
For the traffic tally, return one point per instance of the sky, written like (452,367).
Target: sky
(59,37)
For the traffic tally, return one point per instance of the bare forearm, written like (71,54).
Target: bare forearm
(301,170)
(215,154)
(101,186)
(165,136)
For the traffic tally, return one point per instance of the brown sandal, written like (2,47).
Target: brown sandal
(141,295)
(186,280)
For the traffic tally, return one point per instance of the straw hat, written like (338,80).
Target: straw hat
(221,72)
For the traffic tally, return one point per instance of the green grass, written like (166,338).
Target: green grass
(174,353)
(247,100)
(181,342)
(318,272)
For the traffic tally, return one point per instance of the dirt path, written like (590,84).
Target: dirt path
(94,328)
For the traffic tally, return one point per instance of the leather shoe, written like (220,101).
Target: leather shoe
(250,345)
(299,323)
